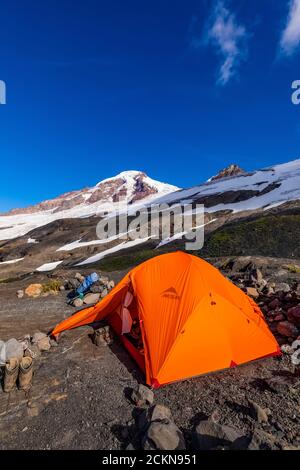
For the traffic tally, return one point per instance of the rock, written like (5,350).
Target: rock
(73,283)
(104,293)
(96,289)
(20,294)
(62,288)
(261,440)
(13,349)
(90,299)
(275,303)
(296,344)
(295,358)
(79,277)
(282,287)
(294,315)
(111,284)
(42,341)
(34,290)
(77,302)
(258,412)
(279,317)
(252,292)
(32,351)
(287,349)
(160,413)
(142,396)
(44,344)
(163,436)
(38,336)
(209,435)
(287,329)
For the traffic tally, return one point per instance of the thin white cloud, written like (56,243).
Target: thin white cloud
(290,39)
(229,38)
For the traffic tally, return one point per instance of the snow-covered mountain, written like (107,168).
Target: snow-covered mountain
(128,187)
(63,230)
(262,189)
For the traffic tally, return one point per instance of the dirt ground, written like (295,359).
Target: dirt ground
(80,397)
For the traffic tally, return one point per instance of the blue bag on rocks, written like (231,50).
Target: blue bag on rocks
(87,283)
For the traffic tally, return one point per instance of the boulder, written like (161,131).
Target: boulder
(20,294)
(163,436)
(77,302)
(34,290)
(252,292)
(209,435)
(142,396)
(90,299)
(155,413)
(13,349)
(287,329)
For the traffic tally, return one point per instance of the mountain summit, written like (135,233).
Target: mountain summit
(230,170)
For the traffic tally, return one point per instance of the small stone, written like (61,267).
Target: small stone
(38,336)
(34,290)
(258,412)
(44,344)
(20,294)
(282,287)
(287,349)
(62,288)
(279,317)
(104,293)
(111,284)
(294,315)
(32,351)
(252,292)
(79,277)
(142,396)
(274,304)
(90,299)
(287,329)
(77,302)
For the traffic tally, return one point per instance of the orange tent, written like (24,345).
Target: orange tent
(192,319)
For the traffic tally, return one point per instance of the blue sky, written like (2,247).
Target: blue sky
(176,89)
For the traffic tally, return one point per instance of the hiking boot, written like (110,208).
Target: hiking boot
(25,374)
(11,374)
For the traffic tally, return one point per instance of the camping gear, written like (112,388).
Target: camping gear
(25,373)
(84,287)
(11,374)
(87,283)
(192,319)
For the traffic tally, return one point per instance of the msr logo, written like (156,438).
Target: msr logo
(171,293)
